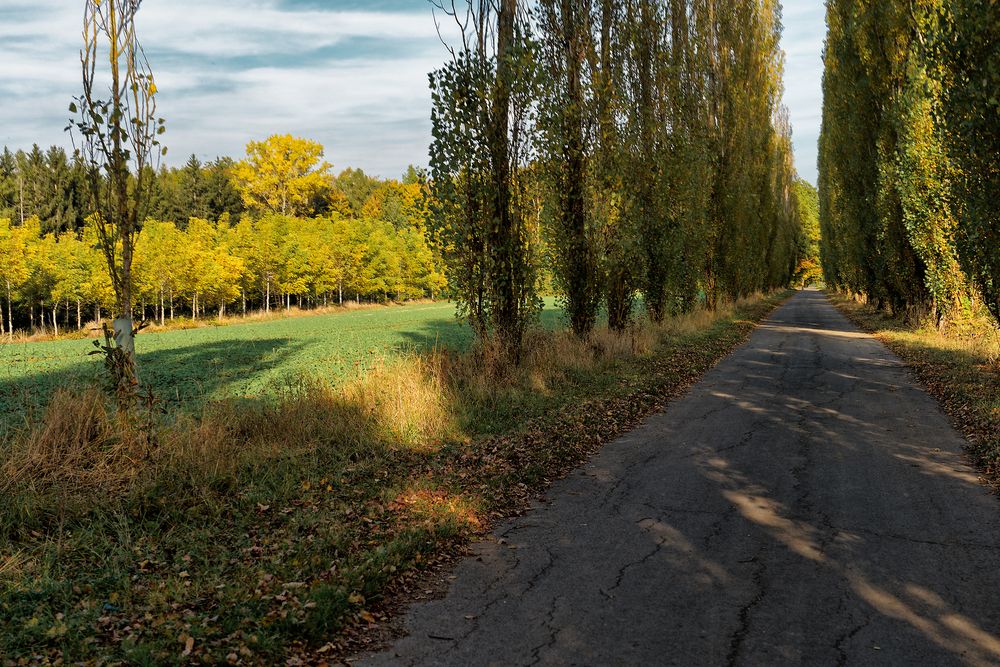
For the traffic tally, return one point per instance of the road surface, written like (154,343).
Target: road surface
(804,504)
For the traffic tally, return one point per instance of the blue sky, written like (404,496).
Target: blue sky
(351,74)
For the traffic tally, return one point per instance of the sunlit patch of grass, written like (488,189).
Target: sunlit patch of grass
(435,507)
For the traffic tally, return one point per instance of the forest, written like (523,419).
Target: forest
(909,183)
(202,250)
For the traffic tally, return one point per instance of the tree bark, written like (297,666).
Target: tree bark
(503,241)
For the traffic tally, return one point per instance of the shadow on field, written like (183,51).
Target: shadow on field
(183,377)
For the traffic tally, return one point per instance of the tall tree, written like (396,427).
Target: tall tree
(567,128)
(481,116)
(967,53)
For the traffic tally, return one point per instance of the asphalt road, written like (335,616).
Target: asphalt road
(804,504)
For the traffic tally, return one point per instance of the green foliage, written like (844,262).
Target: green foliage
(967,54)
(663,155)
(481,119)
(809,269)
(906,159)
(566,128)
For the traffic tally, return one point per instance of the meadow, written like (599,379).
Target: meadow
(186,368)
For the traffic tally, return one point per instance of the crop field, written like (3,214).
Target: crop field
(188,367)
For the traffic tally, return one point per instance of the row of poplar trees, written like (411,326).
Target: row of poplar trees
(639,147)
(910,153)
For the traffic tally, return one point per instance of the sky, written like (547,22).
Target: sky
(351,74)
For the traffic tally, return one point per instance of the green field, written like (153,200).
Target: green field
(187,367)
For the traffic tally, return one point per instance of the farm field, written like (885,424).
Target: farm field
(188,367)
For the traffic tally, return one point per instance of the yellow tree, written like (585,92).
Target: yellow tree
(157,268)
(14,267)
(283,174)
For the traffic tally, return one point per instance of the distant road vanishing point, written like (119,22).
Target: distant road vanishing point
(804,504)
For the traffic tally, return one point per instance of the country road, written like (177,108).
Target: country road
(804,504)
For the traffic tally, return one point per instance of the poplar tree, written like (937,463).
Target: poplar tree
(482,122)
(567,127)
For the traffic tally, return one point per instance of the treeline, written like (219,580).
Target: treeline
(60,280)
(910,153)
(51,186)
(637,148)
(315,239)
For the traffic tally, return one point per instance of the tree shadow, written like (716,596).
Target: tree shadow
(182,378)
(805,504)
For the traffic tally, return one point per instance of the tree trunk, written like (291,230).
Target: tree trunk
(582,302)
(79,314)
(503,232)
(10,312)
(55,320)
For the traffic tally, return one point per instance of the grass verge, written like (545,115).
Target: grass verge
(959,366)
(268,532)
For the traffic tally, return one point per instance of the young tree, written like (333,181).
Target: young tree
(15,251)
(118,145)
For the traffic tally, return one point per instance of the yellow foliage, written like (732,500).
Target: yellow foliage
(282,174)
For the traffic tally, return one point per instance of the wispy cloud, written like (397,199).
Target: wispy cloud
(351,74)
(234,70)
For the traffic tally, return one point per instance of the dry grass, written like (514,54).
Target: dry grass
(78,444)
(81,447)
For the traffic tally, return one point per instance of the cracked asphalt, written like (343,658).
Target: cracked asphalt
(804,504)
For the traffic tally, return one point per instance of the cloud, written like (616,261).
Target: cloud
(351,74)
(236,70)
